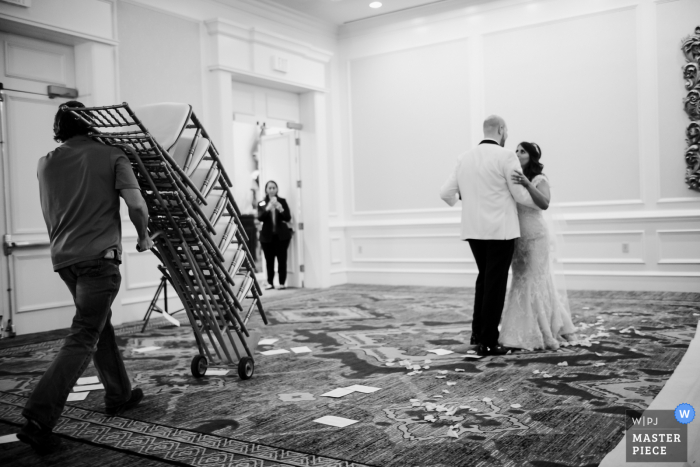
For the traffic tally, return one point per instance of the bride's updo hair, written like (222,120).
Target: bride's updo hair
(534,167)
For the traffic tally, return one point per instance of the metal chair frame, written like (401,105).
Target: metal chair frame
(212,285)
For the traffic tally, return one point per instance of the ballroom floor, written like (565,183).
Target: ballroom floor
(543,408)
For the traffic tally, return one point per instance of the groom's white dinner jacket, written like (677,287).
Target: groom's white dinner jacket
(482,179)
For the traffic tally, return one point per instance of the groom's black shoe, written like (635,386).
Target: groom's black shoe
(485,350)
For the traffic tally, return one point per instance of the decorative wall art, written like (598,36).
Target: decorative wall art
(691,103)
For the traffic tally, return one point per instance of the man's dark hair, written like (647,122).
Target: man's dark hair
(66,125)
(534,167)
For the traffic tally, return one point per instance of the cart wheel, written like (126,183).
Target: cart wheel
(199,366)
(246,368)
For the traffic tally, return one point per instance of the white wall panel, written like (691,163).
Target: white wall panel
(336,250)
(675,21)
(410,120)
(139,270)
(571,86)
(411,248)
(37,64)
(680,246)
(602,247)
(158,67)
(87,18)
(28,144)
(243,100)
(37,286)
(29,65)
(282,105)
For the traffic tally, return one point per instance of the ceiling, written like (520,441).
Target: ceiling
(347,11)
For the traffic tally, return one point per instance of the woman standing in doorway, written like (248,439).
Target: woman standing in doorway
(275,235)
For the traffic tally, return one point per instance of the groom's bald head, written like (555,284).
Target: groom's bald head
(495,128)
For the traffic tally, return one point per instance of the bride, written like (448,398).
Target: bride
(536,316)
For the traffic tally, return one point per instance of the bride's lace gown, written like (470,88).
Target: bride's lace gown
(536,315)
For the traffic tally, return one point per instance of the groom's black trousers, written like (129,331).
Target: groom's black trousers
(493,258)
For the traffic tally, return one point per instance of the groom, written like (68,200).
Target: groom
(482,180)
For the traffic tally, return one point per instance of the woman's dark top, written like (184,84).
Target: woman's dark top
(281,229)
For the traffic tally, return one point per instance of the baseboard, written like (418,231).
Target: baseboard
(585,280)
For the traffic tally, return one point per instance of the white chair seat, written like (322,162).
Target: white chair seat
(164,121)
(182,148)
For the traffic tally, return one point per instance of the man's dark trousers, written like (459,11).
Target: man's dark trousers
(94,285)
(493,258)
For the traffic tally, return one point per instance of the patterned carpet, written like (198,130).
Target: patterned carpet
(542,408)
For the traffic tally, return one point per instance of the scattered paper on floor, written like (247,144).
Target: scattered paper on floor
(441,351)
(451,383)
(516,406)
(216,372)
(363,389)
(170,319)
(88,380)
(88,387)
(332,420)
(340,392)
(77,396)
(268,341)
(301,349)
(562,364)
(146,349)
(274,352)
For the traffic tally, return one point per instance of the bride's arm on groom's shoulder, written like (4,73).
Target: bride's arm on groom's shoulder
(450,189)
(519,192)
(540,194)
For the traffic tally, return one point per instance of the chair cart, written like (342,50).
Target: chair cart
(194,223)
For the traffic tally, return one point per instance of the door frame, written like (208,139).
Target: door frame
(297,211)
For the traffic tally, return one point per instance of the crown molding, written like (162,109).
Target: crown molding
(284,15)
(255,35)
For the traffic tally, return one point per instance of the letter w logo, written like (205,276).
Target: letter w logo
(685,413)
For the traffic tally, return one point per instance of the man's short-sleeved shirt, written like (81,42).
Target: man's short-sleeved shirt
(79,185)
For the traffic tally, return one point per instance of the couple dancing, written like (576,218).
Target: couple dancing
(503,194)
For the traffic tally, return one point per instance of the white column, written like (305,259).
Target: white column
(96,74)
(315,189)
(219,120)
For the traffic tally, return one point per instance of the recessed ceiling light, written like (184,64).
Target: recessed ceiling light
(375,4)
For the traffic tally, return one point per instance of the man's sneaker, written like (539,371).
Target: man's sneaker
(269,287)
(136,396)
(485,350)
(40,438)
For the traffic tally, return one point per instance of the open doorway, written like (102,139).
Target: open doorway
(266,150)
(266,134)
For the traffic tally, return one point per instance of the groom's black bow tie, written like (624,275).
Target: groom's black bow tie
(489,141)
